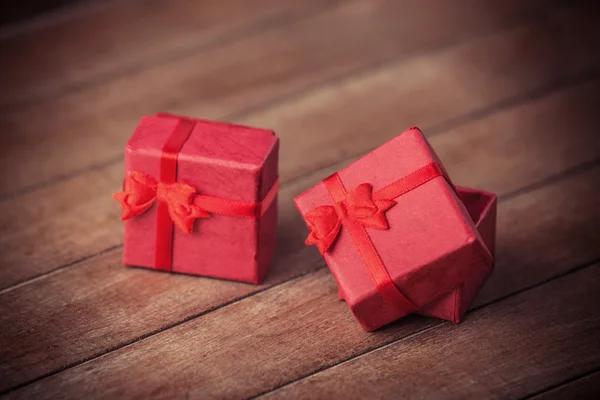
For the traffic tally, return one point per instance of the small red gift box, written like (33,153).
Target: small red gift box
(393,231)
(199,198)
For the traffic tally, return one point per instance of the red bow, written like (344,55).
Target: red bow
(325,222)
(142,190)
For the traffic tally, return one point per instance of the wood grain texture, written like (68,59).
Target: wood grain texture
(75,220)
(507,92)
(250,72)
(583,388)
(436,90)
(550,332)
(339,110)
(85,285)
(122,37)
(252,345)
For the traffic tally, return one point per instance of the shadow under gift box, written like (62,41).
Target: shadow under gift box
(221,160)
(432,245)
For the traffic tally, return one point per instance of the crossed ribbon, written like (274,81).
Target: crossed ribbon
(325,222)
(362,208)
(141,191)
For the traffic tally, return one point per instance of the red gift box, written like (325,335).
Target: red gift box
(200,198)
(393,231)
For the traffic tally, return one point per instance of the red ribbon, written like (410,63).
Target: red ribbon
(141,191)
(178,203)
(359,209)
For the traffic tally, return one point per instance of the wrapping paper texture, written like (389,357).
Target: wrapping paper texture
(482,209)
(220,160)
(432,245)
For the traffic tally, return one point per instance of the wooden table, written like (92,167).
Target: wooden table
(506,91)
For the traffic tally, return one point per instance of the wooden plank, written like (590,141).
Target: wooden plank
(274,337)
(340,123)
(246,73)
(354,126)
(83,312)
(435,91)
(584,388)
(506,350)
(77,219)
(122,37)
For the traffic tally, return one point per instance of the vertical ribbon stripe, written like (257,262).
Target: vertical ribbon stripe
(379,274)
(163,259)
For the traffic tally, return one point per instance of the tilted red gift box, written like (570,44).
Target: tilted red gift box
(393,231)
(453,306)
(200,198)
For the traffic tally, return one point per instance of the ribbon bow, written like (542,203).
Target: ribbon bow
(359,206)
(141,191)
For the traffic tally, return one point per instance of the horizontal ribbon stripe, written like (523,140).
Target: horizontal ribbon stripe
(237,208)
(183,205)
(364,208)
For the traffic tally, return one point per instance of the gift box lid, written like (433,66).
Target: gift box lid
(429,228)
(218,159)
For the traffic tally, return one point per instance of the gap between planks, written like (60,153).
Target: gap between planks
(459,39)
(433,326)
(532,187)
(58,269)
(438,129)
(154,332)
(368,69)
(520,191)
(580,261)
(167,57)
(470,116)
(437,326)
(573,381)
(261,26)
(539,92)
